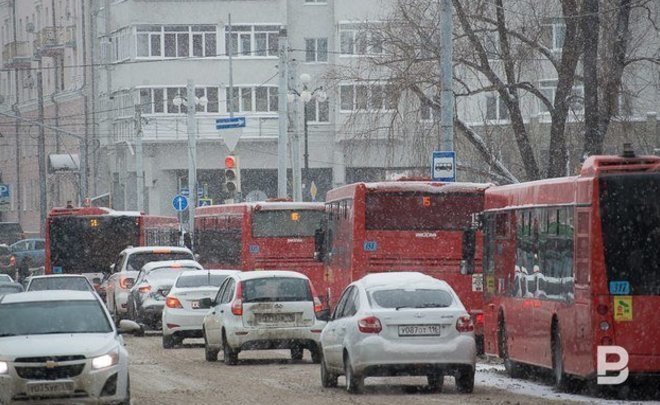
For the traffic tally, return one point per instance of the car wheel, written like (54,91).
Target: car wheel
(328,379)
(297,353)
(354,382)
(513,369)
(230,356)
(139,332)
(316,355)
(436,382)
(465,380)
(169,341)
(210,354)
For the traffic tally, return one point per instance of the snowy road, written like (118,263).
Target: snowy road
(182,376)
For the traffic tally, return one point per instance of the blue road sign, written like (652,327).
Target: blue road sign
(230,122)
(443,166)
(204,202)
(5,197)
(4,190)
(184,192)
(180,203)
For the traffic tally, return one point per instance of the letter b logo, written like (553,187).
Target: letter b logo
(603,366)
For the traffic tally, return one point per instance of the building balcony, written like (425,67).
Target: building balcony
(17,55)
(51,41)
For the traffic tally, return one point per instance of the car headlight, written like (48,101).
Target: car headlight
(3,367)
(107,360)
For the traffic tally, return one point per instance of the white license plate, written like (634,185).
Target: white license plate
(50,388)
(276,318)
(420,330)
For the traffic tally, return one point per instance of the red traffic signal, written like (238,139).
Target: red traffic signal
(230,162)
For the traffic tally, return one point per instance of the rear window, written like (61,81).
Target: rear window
(410,298)
(168,272)
(286,223)
(137,260)
(10,289)
(276,289)
(201,280)
(57,283)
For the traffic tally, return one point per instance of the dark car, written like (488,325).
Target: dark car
(10,288)
(10,232)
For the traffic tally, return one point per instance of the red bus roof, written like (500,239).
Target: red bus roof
(90,211)
(431,187)
(259,206)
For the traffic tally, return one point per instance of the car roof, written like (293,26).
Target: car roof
(190,273)
(170,263)
(250,275)
(400,279)
(156,249)
(58,276)
(49,295)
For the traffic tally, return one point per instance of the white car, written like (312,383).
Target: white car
(124,271)
(59,345)
(182,316)
(263,310)
(399,323)
(6,278)
(76,282)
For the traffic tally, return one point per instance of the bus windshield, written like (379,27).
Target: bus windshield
(630,216)
(415,211)
(285,223)
(89,244)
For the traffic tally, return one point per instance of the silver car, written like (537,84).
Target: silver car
(391,324)
(76,282)
(262,310)
(61,346)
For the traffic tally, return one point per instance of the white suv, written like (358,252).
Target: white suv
(124,271)
(262,310)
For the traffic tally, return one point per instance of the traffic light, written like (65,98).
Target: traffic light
(232,175)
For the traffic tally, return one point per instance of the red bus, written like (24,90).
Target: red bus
(573,263)
(260,236)
(405,226)
(89,239)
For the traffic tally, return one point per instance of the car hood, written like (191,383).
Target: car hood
(86,344)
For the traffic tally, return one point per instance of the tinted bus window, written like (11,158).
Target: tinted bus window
(137,260)
(630,216)
(90,244)
(285,223)
(406,211)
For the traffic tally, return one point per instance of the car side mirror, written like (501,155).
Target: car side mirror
(323,315)
(206,303)
(127,326)
(112,268)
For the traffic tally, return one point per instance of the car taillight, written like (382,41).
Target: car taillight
(318,307)
(173,302)
(144,289)
(126,283)
(370,324)
(464,324)
(478,319)
(237,304)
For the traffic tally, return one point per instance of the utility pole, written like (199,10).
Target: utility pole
(192,159)
(283,118)
(295,138)
(17,125)
(447,78)
(592,136)
(230,52)
(41,155)
(139,165)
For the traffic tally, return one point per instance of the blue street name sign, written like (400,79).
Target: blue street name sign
(180,203)
(230,122)
(443,166)
(204,202)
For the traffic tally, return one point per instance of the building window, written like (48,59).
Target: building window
(316,50)
(253,40)
(354,41)
(252,99)
(176,41)
(368,97)
(549,88)
(553,35)
(317,111)
(159,100)
(496,109)
(316,1)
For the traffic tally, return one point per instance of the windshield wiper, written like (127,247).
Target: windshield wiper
(404,306)
(432,306)
(259,299)
(7,334)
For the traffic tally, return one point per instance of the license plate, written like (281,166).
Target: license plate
(50,388)
(420,330)
(277,318)
(194,304)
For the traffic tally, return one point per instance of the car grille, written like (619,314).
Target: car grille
(54,373)
(48,358)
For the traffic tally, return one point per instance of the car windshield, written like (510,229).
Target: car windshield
(410,298)
(201,280)
(276,289)
(49,317)
(10,289)
(59,283)
(137,260)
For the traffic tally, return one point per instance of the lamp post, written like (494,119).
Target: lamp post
(306,96)
(191,105)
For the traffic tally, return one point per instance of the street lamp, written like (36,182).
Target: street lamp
(306,96)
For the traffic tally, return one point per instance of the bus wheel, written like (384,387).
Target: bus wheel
(560,378)
(514,369)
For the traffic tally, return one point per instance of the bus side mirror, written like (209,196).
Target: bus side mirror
(469,251)
(319,245)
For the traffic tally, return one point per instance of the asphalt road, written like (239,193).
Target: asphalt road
(182,376)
